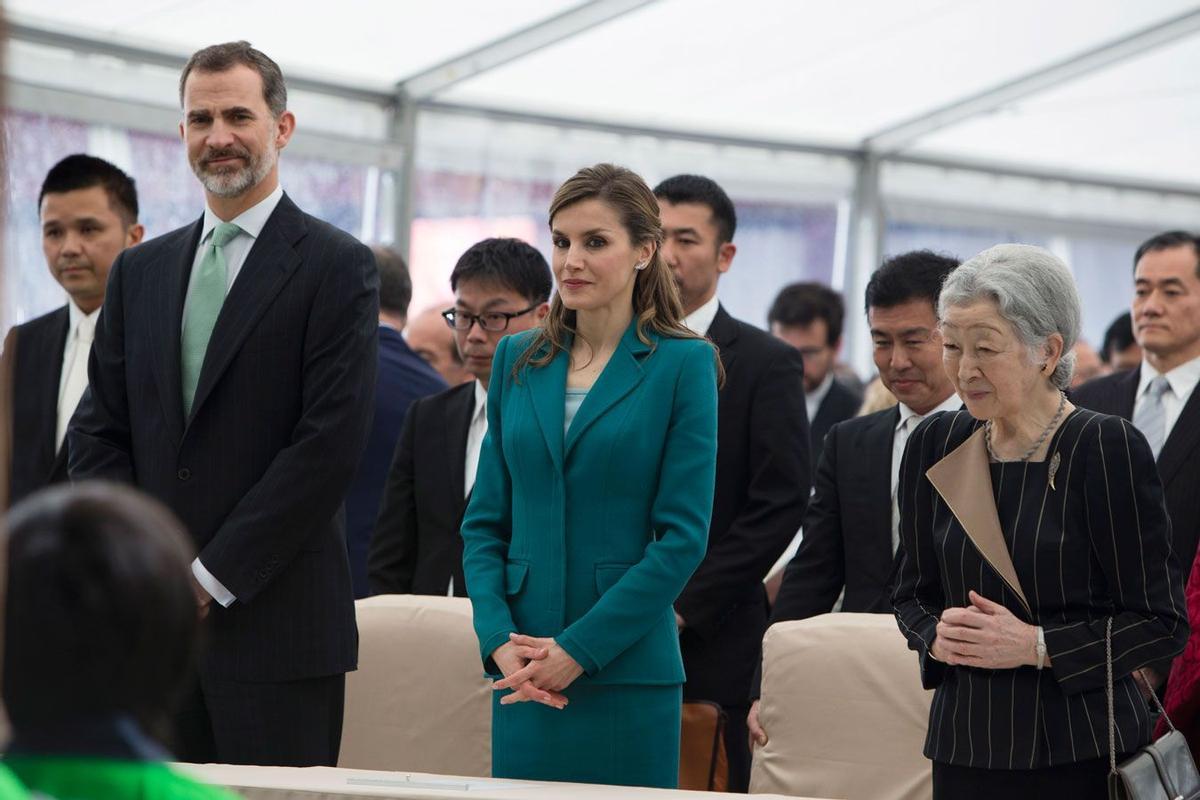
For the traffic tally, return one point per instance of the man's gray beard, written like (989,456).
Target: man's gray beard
(235,184)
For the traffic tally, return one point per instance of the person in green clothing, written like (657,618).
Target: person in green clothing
(592,501)
(100,634)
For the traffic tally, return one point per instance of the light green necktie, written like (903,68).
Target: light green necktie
(204,304)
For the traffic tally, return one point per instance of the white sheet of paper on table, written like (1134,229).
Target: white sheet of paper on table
(448,784)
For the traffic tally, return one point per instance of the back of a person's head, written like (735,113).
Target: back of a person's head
(804,303)
(505,264)
(395,283)
(681,189)
(915,275)
(1117,337)
(100,618)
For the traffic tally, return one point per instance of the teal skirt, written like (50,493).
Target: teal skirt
(620,735)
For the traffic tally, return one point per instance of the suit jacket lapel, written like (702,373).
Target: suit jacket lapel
(1185,435)
(47,373)
(723,332)
(1127,393)
(620,376)
(964,480)
(460,409)
(171,286)
(270,263)
(547,389)
(878,440)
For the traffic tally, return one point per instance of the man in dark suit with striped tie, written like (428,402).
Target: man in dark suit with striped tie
(851,527)
(1159,395)
(89,212)
(232,378)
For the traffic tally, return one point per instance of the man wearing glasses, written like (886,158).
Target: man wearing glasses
(501,286)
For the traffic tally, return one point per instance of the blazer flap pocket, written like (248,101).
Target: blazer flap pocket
(609,574)
(514,576)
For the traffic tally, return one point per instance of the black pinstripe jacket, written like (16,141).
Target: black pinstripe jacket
(259,472)
(1095,544)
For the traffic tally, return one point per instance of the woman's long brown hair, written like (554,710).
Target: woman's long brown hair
(656,303)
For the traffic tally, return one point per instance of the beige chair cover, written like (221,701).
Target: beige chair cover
(844,711)
(419,700)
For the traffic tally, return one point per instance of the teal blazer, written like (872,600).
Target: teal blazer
(589,537)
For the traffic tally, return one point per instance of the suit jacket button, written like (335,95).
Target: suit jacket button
(184,474)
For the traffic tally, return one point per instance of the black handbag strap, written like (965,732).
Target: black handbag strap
(1112,720)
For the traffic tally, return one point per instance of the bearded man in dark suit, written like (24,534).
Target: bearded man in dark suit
(232,377)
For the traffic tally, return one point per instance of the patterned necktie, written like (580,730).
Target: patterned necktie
(204,304)
(1150,417)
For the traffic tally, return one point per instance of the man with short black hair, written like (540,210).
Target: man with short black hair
(762,480)
(809,317)
(403,377)
(232,378)
(501,286)
(1160,396)
(851,530)
(89,213)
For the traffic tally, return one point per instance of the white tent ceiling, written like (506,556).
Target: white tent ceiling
(834,74)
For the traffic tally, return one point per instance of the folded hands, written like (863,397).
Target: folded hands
(536,669)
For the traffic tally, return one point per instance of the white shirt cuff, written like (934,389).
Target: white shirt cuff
(211,584)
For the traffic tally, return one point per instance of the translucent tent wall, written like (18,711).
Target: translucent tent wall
(843,131)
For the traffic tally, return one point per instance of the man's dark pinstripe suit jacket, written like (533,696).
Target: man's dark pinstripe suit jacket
(1095,544)
(280,418)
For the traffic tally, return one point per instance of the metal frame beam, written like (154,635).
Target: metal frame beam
(898,137)
(26,29)
(999,168)
(515,45)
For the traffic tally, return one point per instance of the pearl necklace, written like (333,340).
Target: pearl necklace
(987,432)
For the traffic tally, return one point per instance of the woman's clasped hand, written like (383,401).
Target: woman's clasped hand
(985,634)
(535,669)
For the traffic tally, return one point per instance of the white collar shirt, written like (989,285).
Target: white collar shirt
(1182,380)
(908,421)
(700,320)
(73,379)
(475,433)
(813,399)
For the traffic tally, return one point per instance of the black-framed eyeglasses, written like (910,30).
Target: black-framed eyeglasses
(494,321)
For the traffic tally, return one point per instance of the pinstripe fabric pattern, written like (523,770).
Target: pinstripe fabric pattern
(1097,545)
(281,413)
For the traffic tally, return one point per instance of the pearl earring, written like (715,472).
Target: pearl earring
(641,265)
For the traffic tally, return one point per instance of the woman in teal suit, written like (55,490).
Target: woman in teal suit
(591,504)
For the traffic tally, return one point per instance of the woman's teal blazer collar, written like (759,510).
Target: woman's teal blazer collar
(547,387)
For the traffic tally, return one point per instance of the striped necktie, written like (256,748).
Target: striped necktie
(1151,417)
(204,305)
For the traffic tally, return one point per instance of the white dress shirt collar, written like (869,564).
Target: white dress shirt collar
(251,220)
(813,399)
(951,403)
(78,315)
(700,320)
(1182,379)
(480,402)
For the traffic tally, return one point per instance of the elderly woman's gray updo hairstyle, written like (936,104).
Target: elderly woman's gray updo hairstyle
(1033,290)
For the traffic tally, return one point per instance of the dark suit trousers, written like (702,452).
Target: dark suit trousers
(287,724)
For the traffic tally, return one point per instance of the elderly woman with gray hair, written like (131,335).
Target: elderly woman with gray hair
(1026,525)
